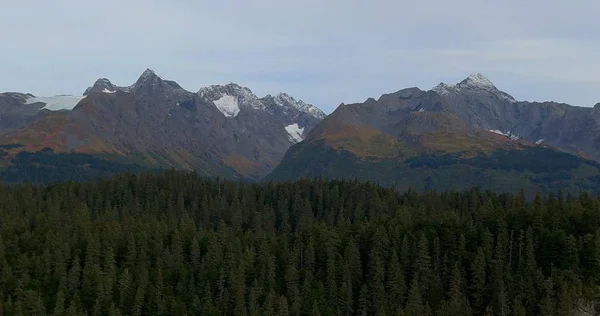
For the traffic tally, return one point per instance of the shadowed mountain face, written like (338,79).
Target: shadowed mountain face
(13,115)
(155,123)
(451,137)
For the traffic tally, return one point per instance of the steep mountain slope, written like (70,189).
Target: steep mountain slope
(450,137)
(13,115)
(570,128)
(155,123)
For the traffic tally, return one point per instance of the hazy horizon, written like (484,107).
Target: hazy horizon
(322,53)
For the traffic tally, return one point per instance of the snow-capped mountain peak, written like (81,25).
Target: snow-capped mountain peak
(477,80)
(285,96)
(230,88)
(285,100)
(475,83)
(231,98)
(443,89)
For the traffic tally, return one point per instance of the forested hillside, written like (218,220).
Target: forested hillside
(175,244)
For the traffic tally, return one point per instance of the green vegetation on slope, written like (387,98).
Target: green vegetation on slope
(175,244)
(46,166)
(532,169)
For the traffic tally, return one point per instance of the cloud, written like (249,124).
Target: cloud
(325,52)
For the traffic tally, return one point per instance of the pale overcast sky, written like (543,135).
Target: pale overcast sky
(322,51)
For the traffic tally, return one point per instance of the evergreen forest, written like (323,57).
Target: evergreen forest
(177,244)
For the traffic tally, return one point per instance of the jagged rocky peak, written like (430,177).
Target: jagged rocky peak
(443,88)
(148,73)
(152,84)
(148,77)
(286,97)
(475,83)
(477,80)
(231,98)
(285,100)
(231,89)
(103,82)
(101,85)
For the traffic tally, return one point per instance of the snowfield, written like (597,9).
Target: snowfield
(228,105)
(295,132)
(58,102)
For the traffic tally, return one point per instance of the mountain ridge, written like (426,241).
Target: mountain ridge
(460,135)
(229,131)
(156,123)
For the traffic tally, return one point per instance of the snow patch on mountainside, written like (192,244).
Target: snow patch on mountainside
(498,132)
(108,91)
(295,132)
(507,134)
(58,102)
(228,105)
(232,96)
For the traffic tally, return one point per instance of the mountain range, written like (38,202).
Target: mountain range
(452,137)
(449,137)
(221,130)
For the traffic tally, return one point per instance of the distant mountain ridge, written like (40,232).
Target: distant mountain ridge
(450,137)
(569,128)
(218,131)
